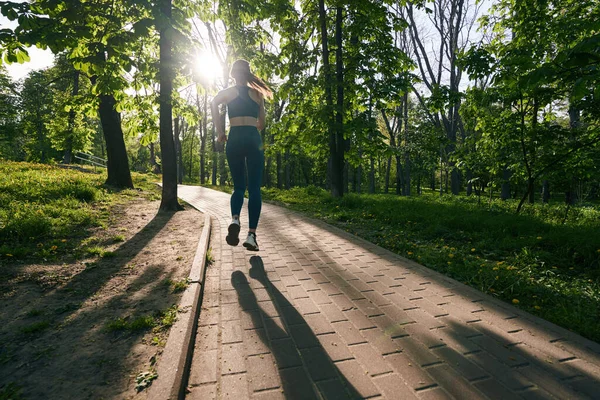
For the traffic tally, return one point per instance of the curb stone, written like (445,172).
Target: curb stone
(176,356)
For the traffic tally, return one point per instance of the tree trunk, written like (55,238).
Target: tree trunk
(278,162)
(339,116)
(545,191)
(203,137)
(334,178)
(406,182)
(167,146)
(372,175)
(288,178)
(117,164)
(222,169)
(469,183)
(178,155)
(505,188)
(399,175)
(153,163)
(68,155)
(388,168)
(215,155)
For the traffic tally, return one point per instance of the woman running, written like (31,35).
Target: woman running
(245,156)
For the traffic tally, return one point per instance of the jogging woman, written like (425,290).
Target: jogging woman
(246,109)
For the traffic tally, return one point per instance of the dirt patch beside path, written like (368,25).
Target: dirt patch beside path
(87,329)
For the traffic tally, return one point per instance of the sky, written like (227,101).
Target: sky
(40,59)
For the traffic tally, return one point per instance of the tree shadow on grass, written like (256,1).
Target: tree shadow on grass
(76,346)
(299,355)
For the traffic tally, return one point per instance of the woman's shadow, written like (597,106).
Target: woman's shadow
(294,369)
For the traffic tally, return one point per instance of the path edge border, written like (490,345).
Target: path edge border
(176,357)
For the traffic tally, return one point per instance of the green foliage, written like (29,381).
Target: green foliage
(551,267)
(35,328)
(160,321)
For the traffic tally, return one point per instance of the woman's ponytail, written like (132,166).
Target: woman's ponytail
(241,69)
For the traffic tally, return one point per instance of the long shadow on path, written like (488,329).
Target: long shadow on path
(305,368)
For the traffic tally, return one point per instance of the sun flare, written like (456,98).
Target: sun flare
(207,67)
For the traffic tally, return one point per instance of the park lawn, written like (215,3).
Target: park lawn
(90,279)
(46,212)
(531,260)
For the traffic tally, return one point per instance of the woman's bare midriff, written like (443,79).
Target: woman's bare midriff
(243,121)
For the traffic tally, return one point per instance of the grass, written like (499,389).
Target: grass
(47,212)
(532,260)
(159,321)
(35,328)
(10,391)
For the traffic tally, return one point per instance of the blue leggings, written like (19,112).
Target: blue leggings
(245,152)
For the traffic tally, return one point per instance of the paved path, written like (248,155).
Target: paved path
(319,313)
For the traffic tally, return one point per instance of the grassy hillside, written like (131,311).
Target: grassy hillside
(45,211)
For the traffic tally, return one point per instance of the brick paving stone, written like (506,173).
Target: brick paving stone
(502,353)
(417,351)
(296,384)
(381,341)
(587,386)
(262,373)
(318,324)
(435,394)
(510,377)
(333,312)
(275,328)
(349,333)
(377,298)
(415,376)
(342,302)
(285,352)
(428,337)
(334,390)
(209,316)
(550,384)
(207,338)
(251,319)
(320,297)
(318,364)
(202,392)
(494,390)
(397,315)
(335,347)
(230,312)
(454,383)
(275,394)
(233,358)
(370,359)
(393,387)
(303,336)
(359,319)
(462,364)
(390,327)
(367,308)
(233,387)
(306,306)
(358,377)
(292,316)
(254,341)
(204,367)
(231,331)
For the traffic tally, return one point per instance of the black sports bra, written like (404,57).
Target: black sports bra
(242,105)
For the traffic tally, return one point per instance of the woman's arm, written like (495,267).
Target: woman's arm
(261,123)
(224,96)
